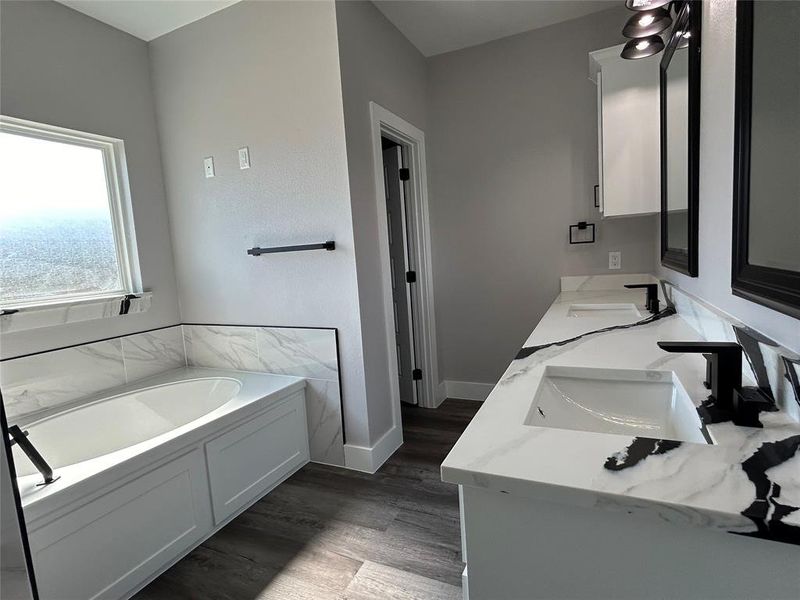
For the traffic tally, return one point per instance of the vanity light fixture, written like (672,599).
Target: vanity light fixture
(642,47)
(640,5)
(647,23)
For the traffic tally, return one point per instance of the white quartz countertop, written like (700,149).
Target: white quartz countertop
(695,484)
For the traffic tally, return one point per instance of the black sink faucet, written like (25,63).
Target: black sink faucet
(724,376)
(651,303)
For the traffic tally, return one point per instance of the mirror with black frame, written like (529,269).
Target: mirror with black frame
(766,203)
(680,140)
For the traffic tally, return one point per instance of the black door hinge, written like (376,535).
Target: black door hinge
(411,276)
(405,174)
(416,374)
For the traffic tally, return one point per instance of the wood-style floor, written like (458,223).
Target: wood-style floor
(332,533)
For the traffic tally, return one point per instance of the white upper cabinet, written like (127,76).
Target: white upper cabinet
(628,132)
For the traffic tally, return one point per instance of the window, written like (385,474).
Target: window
(65,225)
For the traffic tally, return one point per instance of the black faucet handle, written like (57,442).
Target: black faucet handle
(747,404)
(645,286)
(702,347)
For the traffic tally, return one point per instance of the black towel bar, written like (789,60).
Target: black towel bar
(329,245)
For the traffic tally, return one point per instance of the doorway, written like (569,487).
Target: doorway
(398,149)
(403,275)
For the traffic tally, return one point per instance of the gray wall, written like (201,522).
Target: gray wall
(263,75)
(512,162)
(378,64)
(716,183)
(63,68)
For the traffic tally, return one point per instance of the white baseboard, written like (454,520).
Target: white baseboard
(369,460)
(467,390)
(441,394)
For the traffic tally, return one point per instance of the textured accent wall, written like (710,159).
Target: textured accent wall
(263,75)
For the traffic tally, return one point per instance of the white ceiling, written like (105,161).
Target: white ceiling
(437,26)
(433,26)
(148,19)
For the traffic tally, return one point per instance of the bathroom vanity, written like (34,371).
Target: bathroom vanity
(590,473)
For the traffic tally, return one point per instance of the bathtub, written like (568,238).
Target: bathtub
(147,472)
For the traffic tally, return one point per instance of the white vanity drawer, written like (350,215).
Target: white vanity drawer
(246,462)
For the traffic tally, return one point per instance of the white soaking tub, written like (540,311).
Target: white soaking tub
(147,472)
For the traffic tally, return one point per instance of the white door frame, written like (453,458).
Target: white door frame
(386,124)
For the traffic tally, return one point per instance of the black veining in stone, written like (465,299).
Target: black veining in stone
(752,351)
(529,350)
(790,365)
(639,449)
(766,511)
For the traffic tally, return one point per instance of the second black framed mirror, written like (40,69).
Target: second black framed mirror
(680,140)
(765,265)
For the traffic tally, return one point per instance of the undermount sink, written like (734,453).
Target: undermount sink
(604,310)
(650,404)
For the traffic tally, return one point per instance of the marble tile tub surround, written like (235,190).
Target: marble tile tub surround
(35,317)
(44,381)
(746,483)
(309,353)
(47,380)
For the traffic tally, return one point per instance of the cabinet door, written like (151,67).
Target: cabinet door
(109,546)
(600,141)
(631,166)
(251,459)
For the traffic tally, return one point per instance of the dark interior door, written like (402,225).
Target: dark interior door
(403,324)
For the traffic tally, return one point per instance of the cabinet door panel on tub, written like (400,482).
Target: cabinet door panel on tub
(107,547)
(247,461)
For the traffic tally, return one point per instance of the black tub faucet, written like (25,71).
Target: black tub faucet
(651,303)
(724,375)
(21,437)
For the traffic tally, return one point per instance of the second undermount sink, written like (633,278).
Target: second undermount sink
(624,310)
(641,403)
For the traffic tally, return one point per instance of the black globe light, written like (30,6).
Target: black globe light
(645,4)
(643,47)
(646,23)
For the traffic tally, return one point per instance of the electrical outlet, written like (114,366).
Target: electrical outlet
(244,158)
(615,260)
(208,166)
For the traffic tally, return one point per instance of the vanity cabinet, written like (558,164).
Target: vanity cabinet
(629,167)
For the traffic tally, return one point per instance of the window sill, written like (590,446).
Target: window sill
(72,311)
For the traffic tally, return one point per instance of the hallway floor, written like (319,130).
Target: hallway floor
(332,533)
